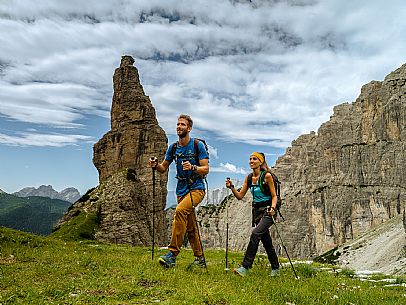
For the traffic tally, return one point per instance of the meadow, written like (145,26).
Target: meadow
(46,270)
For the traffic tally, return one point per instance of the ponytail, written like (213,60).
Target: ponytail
(264,165)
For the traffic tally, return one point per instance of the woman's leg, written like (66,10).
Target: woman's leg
(256,236)
(269,248)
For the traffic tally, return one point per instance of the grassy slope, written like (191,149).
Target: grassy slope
(31,214)
(45,270)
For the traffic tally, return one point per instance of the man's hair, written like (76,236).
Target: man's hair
(187,118)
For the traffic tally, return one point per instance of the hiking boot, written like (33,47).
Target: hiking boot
(198,262)
(275,272)
(241,271)
(168,260)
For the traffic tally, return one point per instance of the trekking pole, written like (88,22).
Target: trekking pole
(226,269)
(283,245)
(153,211)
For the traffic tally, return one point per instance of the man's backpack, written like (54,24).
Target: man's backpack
(194,176)
(195,150)
(263,185)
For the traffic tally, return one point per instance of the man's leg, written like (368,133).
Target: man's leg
(181,218)
(192,229)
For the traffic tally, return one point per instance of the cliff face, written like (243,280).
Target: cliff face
(123,202)
(347,178)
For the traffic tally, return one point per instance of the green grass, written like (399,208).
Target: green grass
(46,270)
(31,214)
(80,228)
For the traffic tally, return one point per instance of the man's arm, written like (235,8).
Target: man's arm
(163,166)
(203,168)
(160,167)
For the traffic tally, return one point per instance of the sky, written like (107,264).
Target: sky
(254,75)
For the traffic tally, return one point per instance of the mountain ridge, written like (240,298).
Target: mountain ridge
(69,194)
(32,214)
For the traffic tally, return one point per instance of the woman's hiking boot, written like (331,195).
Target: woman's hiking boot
(168,260)
(275,272)
(242,271)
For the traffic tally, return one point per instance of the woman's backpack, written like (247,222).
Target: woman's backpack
(263,185)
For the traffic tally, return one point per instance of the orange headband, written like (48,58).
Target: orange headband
(259,156)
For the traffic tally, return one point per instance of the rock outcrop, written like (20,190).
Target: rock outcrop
(124,201)
(381,249)
(342,181)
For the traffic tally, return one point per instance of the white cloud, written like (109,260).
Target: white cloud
(36,139)
(228,168)
(260,73)
(58,105)
(212,152)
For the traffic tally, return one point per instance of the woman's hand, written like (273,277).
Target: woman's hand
(271,211)
(229,184)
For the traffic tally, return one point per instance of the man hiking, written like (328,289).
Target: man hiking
(192,164)
(263,209)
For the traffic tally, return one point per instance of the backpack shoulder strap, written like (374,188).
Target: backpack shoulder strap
(196,150)
(173,151)
(249,180)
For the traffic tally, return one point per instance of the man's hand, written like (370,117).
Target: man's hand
(186,165)
(153,162)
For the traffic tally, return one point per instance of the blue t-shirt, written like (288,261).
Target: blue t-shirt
(186,153)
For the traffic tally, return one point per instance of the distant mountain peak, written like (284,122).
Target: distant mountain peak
(69,194)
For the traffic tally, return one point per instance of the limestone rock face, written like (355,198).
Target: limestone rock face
(125,205)
(346,179)
(135,134)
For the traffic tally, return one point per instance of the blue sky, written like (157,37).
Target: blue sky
(254,75)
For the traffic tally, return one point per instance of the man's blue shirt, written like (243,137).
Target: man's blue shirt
(186,153)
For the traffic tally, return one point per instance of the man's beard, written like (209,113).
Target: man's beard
(183,134)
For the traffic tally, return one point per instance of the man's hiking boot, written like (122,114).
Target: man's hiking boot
(168,260)
(241,271)
(198,262)
(275,272)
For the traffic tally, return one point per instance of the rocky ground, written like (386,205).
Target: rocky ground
(382,249)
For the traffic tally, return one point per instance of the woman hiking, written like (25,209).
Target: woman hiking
(263,209)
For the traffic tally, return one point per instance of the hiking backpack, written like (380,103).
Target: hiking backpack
(194,175)
(195,149)
(263,185)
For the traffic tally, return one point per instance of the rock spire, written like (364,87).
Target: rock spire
(123,202)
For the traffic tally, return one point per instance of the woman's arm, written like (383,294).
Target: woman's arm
(238,194)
